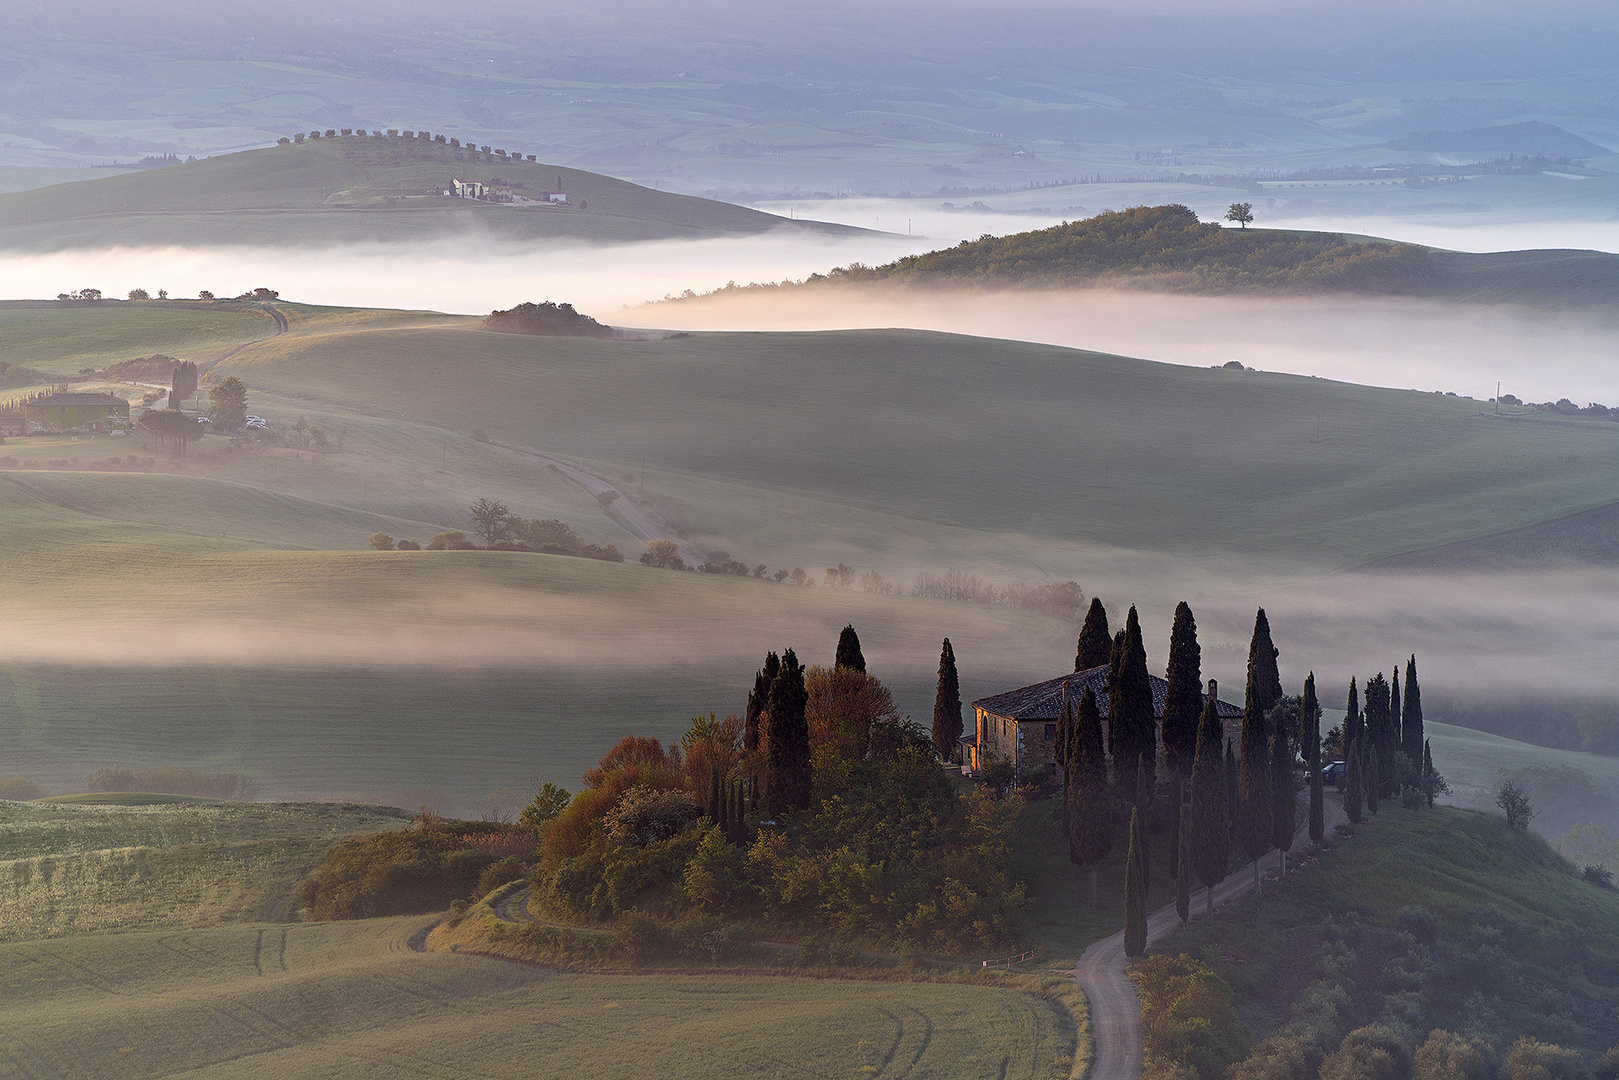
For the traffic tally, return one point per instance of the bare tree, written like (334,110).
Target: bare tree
(491,519)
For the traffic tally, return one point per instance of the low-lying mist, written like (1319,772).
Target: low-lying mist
(1381,341)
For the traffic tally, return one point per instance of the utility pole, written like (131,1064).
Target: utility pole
(1498,397)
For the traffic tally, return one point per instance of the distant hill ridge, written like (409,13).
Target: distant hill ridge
(1167,249)
(362,188)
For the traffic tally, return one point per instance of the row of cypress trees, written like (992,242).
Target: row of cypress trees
(1386,751)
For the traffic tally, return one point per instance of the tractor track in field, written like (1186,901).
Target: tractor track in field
(1115,1010)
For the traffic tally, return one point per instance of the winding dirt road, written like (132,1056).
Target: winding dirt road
(1115,1012)
(621,509)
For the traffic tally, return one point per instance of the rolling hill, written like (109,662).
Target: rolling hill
(353,189)
(142,636)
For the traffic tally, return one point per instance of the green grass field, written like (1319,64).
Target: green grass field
(135,862)
(355,189)
(352,999)
(1450,862)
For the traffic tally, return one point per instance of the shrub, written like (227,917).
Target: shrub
(393,873)
(381,541)
(1451,1057)
(646,815)
(1369,1053)
(452,540)
(1186,1016)
(411,544)
(499,873)
(20,789)
(1608,1064)
(641,937)
(1531,1059)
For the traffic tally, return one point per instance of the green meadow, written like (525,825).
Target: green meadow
(354,999)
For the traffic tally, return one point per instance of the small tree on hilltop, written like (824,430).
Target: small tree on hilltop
(491,520)
(947,706)
(1240,212)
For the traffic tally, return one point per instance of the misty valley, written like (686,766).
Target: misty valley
(1076,542)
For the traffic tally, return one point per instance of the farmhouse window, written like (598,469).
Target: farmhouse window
(1051,732)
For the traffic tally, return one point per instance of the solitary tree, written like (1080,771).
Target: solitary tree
(1411,734)
(1242,213)
(664,554)
(1515,804)
(1135,890)
(1090,822)
(946,706)
(1183,698)
(1210,828)
(1094,639)
(1310,731)
(787,748)
(849,654)
(227,404)
(491,519)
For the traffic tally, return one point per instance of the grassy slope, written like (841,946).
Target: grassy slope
(63,338)
(350,189)
(1055,446)
(351,999)
(1451,862)
(68,868)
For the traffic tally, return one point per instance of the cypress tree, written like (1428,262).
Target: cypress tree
(1210,828)
(1183,700)
(1233,792)
(1310,726)
(849,654)
(1174,845)
(1354,726)
(1411,734)
(1368,772)
(1380,740)
(1264,678)
(716,799)
(1255,813)
(1183,856)
(1429,775)
(759,701)
(1144,788)
(1394,711)
(1115,701)
(1095,642)
(1090,822)
(1132,727)
(946,705)
(787,748)
(1284,821)
(1354,786)
(1135,890)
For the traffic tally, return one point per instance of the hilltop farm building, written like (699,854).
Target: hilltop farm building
(64,411)
(1020,725)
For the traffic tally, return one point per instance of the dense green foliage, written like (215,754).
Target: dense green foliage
(849,654)
(1166,247)
(885,850)
(1187,1021)
(413,870)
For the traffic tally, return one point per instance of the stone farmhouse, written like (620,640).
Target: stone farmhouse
(1020,725)
(69,411)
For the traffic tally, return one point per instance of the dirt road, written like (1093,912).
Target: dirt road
(621,509)
(1115,1012)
